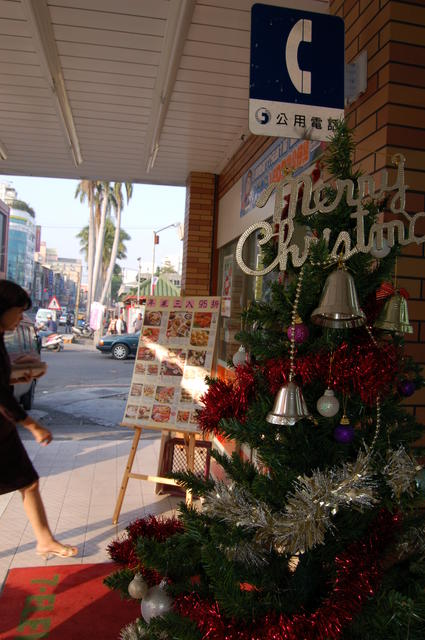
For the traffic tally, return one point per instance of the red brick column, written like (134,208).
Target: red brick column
(389,118)
(199,233)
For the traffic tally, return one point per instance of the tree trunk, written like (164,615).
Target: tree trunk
(99,242)
(90,258)
(114,251)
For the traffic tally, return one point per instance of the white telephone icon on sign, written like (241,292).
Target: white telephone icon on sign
(300,32)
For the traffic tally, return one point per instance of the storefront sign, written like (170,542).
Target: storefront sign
(282,156)
(96,315)
(297,72)
(174,355)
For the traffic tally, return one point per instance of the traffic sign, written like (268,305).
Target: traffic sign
(297,73)
(54,304)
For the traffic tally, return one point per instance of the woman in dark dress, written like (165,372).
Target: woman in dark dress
(16,469)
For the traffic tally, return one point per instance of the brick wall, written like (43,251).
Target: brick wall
(199,234)
(390,118)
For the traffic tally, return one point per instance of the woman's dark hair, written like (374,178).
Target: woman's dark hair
(12,295)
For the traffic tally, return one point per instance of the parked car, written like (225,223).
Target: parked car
(120,346)
(62,318)
(23,342)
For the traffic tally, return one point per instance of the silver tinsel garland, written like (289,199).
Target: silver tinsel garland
(132,631)
(400,472)
(307,515)
(413,542)
(135,631)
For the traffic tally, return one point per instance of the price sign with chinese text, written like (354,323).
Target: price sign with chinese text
(174,355)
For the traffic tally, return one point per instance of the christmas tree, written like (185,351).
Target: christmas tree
(321,534)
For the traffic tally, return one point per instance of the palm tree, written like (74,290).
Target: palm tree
(87,190)
(117,203)
(104,198)
(109,237)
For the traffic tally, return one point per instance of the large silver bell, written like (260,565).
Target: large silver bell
(394,316)
(339,306)
(289,406)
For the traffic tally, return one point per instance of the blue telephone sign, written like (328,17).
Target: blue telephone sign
(297,72)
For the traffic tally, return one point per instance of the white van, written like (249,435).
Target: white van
(42,315)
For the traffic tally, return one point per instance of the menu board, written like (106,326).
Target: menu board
(174,355)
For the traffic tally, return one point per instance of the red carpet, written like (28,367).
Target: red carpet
(66,602)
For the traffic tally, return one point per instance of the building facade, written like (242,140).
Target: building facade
(388,118)
(21,244)
(54,276)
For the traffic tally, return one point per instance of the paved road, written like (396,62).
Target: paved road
(81,365)
(83,393)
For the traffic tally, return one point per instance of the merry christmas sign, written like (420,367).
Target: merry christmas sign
(174,355)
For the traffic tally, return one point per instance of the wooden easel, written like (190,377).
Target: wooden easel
(189,437)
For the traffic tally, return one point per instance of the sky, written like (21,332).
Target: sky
(62,216)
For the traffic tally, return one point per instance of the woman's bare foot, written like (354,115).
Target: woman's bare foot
(57,549)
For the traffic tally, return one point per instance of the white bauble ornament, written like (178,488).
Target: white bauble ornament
(241,356)
(156,602)
(328,405)
(138,588)
(380,253)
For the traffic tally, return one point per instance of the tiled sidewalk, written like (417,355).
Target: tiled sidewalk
(79,483)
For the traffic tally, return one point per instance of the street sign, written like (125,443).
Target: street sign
(297,73)
(54,304)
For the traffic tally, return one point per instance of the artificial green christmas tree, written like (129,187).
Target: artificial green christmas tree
(321,535)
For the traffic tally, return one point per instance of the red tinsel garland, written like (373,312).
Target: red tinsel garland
(226,399)
(358,573)
(123,551)
(363,369)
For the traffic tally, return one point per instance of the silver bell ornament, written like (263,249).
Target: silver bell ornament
(241,356)
(289,406)
(328,404)
(138,587)
(394,316)
(339,306)
(156,602)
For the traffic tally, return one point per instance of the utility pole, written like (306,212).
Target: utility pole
(138,282)
(77,297)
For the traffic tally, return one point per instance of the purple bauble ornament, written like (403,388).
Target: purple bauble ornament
(406,388)
(301,332)
(344,433)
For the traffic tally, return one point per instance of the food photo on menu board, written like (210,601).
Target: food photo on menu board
(174,355)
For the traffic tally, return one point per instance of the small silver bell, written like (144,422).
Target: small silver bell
(240,357)
(289,406)
(339,306)
(394,316)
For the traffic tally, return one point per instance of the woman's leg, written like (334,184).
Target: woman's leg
(34,508)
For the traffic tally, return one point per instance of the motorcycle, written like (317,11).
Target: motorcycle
(83,331)
(51,341)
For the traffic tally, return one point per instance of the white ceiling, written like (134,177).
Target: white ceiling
(138,76)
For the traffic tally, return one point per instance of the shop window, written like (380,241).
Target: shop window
(237,290)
